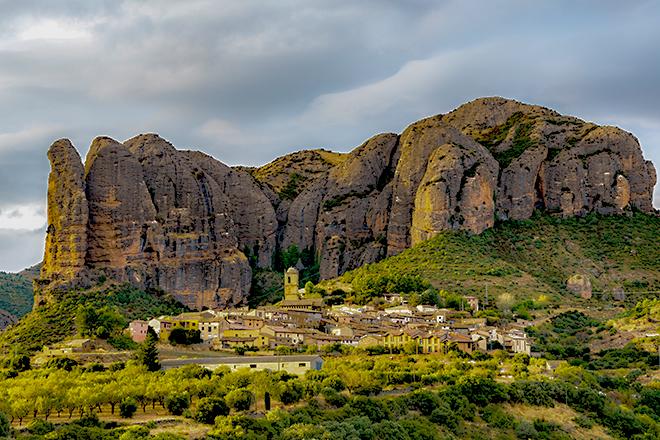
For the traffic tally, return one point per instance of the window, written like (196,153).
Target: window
(302,364)
(253,365)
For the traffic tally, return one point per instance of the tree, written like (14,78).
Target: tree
(291,392)
(176,404)
(208,408)
(505,301)
(423,401)
(481,390)
(240,399)
(86,320)
(390,429)
(127,407)
(147,354)
(19,362)
(443,415)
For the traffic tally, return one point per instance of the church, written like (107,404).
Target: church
(293,295)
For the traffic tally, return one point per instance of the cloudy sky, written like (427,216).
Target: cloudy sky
(247,81)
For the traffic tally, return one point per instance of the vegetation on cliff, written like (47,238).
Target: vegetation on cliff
(103,313)
(531,258)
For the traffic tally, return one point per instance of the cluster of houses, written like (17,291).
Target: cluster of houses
(297,321)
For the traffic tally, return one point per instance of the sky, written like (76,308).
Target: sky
(247,81)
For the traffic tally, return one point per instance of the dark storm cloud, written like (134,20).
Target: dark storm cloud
(249,80)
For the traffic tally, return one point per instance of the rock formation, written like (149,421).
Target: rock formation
(579,284)
(145,213)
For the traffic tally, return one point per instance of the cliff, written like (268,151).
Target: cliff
(145,213)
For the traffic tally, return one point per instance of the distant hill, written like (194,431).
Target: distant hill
(16,296)
(534,257)
(32,272)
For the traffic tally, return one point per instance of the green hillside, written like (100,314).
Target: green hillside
(532,258)
(56,321)
(15,294)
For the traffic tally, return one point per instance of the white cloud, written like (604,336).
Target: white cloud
(54,29)
(16,141)
(23,217)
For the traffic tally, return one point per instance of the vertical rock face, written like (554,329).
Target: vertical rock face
(255,223)
(456,192)
(145,213)
(343,215)
(154,217)
(122,227)
(66,239)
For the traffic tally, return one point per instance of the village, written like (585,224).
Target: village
(298,323)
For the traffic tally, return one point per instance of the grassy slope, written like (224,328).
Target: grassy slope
(54,322)
(16,295)
(537,256)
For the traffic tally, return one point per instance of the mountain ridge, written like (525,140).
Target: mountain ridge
(153,216)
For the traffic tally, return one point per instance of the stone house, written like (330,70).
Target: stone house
(138,330)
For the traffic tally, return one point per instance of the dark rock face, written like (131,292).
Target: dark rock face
(145,213)
(68,213)
(155,218)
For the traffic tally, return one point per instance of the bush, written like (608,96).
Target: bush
(63,363)
(526,430)
(388,429)
(444,416)
(5,426)
(176,404)
(208,408)
(496,417)
(127,407)
(584,422)
(39,427)
(240,399)
(182,336)
(333,397)
(372,408)
(423,401)
(290,392)
(481,390)
(135,433)
(334,382)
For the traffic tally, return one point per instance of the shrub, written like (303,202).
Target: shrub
(63,363)
(526,430)
(443,415)
(583,422)
(334,382)
(390,430)
(135,433)
(372,408)
(481,390)
(496,417)
(40,427)
(240,399)
(290,392)
(5,426)
(333,397)
(127,407)
(423,401)
(208,408)
(182,336)
(176,404)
